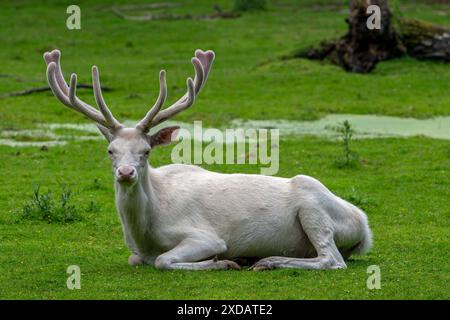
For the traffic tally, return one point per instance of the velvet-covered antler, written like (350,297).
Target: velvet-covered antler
(67,94)
(202,64)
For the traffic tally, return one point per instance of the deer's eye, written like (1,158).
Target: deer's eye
(110,152)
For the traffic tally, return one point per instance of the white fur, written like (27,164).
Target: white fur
(179,214)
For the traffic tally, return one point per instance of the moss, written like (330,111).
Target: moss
(413,31)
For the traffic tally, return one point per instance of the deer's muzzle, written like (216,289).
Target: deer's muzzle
(126,173)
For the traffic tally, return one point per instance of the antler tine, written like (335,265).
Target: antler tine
(65,99)
(52,82)
(199,74)
(206,58)
(78,105)
(67,95)
(55,56)
(185,101)
(113,123)
(178,106)
(198,80)
(202,64)
(144,124)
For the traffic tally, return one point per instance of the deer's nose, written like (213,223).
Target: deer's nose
(125,172)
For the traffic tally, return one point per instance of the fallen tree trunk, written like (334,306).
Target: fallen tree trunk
(361,48)
(424,40)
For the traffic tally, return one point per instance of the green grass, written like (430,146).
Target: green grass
(403,184)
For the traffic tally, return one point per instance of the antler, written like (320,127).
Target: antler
(67,95)
(202,64)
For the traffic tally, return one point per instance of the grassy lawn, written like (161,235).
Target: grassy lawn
(402,184)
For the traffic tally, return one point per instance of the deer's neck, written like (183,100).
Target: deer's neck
(137,207)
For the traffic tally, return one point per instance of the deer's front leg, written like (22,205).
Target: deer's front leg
(189,253)
(135,260)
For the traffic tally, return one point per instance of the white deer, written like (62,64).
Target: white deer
(184,217)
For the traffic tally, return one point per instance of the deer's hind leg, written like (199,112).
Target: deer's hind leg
(319,228)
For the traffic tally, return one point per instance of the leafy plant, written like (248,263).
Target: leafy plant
(43,207)
(356,198)
(349,158)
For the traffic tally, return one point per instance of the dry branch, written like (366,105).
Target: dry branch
(148,15)
(43,89)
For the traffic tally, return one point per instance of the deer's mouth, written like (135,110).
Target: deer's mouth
(127,180)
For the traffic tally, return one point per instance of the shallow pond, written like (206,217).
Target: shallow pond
(365,126)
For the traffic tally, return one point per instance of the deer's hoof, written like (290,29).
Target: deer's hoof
(135,260)
(261,265)
(229,265)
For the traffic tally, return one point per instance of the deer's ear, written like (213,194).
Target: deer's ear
(164,136)
(105,132)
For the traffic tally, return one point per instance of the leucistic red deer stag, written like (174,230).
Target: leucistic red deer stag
(184,217)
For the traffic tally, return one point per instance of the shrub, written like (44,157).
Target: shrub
(43,207)
(349,158)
